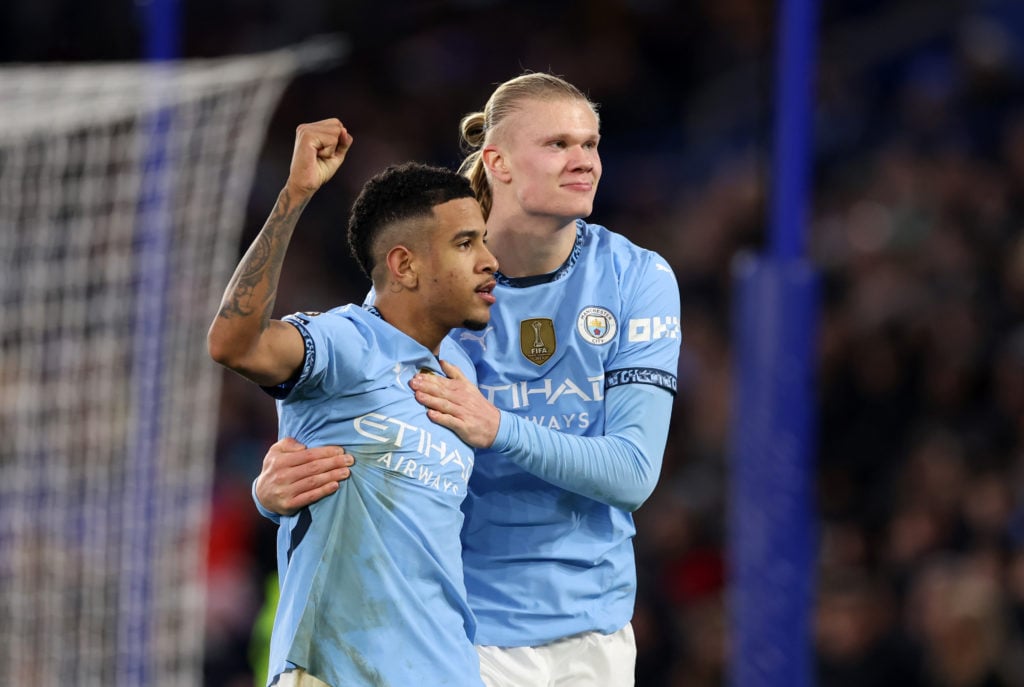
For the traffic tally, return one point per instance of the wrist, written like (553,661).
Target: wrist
(295,193)
(502,434)
(263,510)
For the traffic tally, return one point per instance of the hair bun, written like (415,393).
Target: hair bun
(473,130)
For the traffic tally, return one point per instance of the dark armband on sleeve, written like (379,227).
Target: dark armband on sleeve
(641,375)
(282,390)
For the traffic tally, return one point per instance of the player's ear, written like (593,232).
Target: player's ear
(495,162)
(402,266)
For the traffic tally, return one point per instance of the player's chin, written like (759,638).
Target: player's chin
(585,209)
(475,323)
(580,204)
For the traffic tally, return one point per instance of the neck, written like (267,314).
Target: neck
(403,316)
(528,246)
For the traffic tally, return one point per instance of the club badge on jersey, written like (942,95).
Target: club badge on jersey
(596,325)
(537,339)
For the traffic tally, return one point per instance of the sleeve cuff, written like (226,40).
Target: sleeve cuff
(503,439)
(268,514)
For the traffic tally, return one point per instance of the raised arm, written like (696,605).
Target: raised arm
(243,337)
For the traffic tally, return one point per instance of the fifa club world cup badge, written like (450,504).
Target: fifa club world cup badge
(537,339)
(596,325)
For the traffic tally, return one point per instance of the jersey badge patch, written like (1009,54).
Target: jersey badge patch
(596,325)
(537,339)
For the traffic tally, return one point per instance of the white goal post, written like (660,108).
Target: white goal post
(122,198)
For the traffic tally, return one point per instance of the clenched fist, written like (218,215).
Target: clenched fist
(320,148)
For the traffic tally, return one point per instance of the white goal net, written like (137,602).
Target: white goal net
(122,197)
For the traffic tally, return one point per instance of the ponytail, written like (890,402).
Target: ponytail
(472,131)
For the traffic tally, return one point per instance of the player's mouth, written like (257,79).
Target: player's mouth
(486,292)
(581,185)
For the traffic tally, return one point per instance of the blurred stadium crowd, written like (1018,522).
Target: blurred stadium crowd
(916,227)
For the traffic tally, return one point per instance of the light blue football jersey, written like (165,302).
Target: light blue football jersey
(371,576)
(541,562)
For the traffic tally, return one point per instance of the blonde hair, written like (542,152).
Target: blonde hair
(506,99)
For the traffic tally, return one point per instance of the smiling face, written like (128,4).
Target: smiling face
(546,155)
(456,268)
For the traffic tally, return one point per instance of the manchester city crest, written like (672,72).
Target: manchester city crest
(596,325)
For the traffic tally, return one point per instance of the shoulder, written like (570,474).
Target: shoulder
(341,321)
(629,259)
(452,351)
(345,336)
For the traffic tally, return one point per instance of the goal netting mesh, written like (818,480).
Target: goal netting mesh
(122,198)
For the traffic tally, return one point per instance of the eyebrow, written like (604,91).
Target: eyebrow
(468,234)
(570,133)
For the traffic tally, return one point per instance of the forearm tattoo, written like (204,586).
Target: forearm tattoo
(257,275)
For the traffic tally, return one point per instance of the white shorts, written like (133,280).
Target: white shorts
(590,659)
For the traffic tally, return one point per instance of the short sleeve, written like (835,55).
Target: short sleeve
(334,347)
(649,344)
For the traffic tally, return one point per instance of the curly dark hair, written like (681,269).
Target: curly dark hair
(398,193)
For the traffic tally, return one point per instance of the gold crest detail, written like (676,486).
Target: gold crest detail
(537,339)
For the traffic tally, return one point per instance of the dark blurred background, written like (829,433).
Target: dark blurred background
(918,206)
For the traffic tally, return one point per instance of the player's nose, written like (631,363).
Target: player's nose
(489,263)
